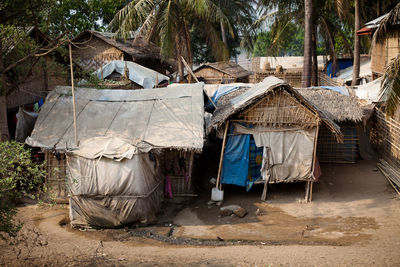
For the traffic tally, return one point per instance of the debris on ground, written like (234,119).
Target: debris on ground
(233,209)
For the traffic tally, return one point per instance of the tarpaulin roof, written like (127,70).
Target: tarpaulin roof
(170,117)
(143,76)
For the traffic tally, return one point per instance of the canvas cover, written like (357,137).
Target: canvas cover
(170,117)
(108,193)
(290,155)
(25,123)
(145,77)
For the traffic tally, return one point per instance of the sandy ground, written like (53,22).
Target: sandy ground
(354,219)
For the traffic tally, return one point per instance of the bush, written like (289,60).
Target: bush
(19,176)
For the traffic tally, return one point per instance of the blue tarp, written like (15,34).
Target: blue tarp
(236,160)
(343,63)
(255,162)
(222,90)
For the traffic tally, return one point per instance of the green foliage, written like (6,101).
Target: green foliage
(390,87)
(280,42)
(75,16)
(19,176)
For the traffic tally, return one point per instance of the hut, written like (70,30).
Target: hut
(277,126)
(384,46)
(94,49)
(128,144)
(221,72)
(345,111)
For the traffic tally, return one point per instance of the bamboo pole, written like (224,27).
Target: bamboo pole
(218,184)
(73,93)
(310,183)
(189,70)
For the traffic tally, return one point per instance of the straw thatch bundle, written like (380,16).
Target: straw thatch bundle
(338,107)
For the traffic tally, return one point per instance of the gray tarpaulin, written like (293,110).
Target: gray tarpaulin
(143,76)
(106,192)
(25,122)
(170,117)
(291,151)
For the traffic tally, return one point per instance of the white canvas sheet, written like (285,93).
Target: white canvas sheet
(106,193)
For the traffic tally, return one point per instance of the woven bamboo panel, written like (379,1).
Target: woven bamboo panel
(292,77)
(279,109)
(385,136)
(56,175)
(330,151)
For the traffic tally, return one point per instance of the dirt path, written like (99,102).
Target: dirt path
(354,219)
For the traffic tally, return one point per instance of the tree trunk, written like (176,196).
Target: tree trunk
(356,63)
(314,58)
(223,34)
(4,134)
(306,75)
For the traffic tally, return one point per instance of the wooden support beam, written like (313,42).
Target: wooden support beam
(218,184)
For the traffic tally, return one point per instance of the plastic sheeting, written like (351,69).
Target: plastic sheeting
(143,76)
(107,193)
(171,117)
(371,92)
(25,123)
(236,160)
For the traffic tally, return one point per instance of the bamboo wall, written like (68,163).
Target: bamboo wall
(291,77)
(279,109)
(385,136)
(95,53)
(56,175)
(330,151)
(382,53)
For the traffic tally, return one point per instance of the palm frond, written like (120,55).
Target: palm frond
(131,17)
(168,28)
(390,87)
(218,48)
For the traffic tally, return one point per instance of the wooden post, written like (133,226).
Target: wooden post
(194,76)
(73,92)
(218,184)
(310,183)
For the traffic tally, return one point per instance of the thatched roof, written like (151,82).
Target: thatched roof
(339,107)
(234,103)
(389,26)
(138,49)
(229,68)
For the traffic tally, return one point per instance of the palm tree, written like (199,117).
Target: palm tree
(170,22)
(307,63)
(356,62)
